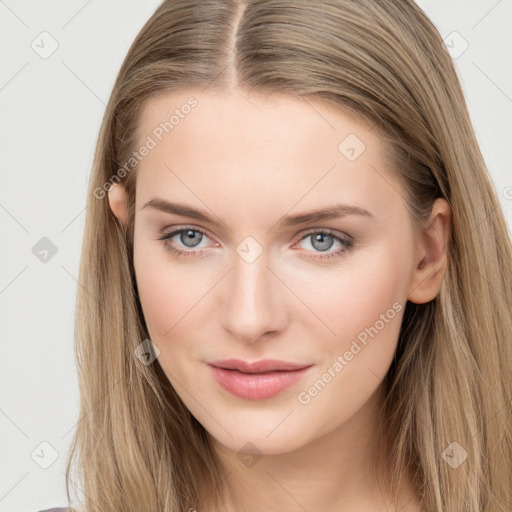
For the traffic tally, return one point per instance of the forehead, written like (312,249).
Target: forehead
(243,120)
(259,150)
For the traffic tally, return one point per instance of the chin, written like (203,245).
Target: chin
(261,441)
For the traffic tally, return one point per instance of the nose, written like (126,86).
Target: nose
(253,305)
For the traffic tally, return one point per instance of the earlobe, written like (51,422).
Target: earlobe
(432,256)
(117,198)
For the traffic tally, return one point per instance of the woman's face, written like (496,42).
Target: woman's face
(261,275)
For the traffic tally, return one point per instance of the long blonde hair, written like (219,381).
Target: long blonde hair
(136,446)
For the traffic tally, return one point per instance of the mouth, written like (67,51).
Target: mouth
(263,366)
(258,380)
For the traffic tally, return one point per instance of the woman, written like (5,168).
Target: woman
(296,274)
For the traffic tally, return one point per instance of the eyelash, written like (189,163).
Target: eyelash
(347,244)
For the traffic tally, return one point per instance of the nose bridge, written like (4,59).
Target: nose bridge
(252,306)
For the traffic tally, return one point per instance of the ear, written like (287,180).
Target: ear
(117,198)
(431,257)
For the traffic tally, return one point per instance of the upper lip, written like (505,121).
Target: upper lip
(264,365)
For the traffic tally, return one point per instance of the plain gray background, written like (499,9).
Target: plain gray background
(52,107)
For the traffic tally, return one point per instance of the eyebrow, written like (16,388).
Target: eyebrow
(331,212)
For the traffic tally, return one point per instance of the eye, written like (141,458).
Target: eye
(187,237)
(321,240)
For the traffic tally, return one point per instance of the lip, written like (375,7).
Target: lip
(262,366)
(259,380)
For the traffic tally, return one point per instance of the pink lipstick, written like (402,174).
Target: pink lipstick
(259,380)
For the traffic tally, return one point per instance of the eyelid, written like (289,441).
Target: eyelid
(174,230)
(328,231)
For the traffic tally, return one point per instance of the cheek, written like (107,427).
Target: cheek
(354,295)
(163,291)
(173,296)
(364,307)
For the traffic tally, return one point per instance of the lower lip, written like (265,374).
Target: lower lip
(256,386)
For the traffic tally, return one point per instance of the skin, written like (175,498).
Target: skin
(248,161)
